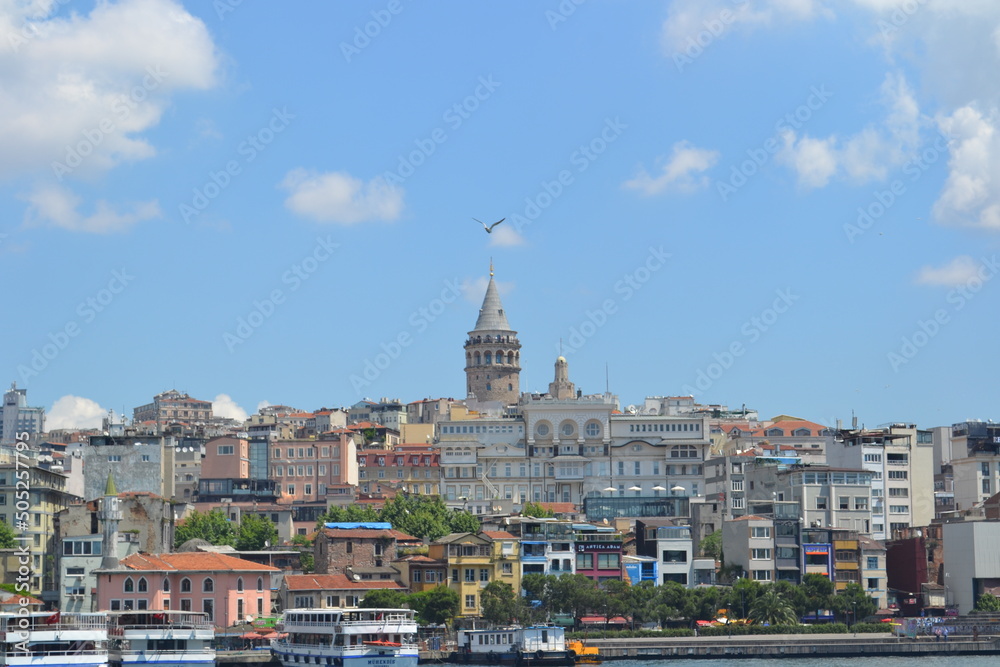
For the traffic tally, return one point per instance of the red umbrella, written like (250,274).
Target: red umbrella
(251,635)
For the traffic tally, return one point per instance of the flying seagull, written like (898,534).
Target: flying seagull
(489,228)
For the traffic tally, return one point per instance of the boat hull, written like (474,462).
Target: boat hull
(291,657)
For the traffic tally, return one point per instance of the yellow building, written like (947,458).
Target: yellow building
(30,512)
(476,560)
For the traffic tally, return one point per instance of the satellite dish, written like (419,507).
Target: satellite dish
(631,410)
(356,577)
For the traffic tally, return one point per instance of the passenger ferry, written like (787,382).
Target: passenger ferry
(347,638)
(161,638)
(41,638)
(533,645)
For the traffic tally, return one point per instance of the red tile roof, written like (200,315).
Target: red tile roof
(359,533)
(193,562)
(498,535)
(325,582)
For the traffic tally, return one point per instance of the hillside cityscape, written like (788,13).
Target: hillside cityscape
(315,508)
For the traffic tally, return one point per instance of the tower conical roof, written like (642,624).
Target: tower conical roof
(110,489)
(491,315)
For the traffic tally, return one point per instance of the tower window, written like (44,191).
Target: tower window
(489,387)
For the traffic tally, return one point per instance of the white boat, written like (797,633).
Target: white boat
(157,638)
(347,638)
(54,639)
(533,645)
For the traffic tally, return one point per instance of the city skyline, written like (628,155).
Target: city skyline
(791,206)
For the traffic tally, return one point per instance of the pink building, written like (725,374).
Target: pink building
(226,588)
(226,458)
(306,469)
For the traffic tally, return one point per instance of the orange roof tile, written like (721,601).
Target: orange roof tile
(323,582)
(498,535)
(192,561)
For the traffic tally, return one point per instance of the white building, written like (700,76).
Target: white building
(16,417)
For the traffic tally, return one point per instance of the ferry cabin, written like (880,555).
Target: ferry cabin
(351,628)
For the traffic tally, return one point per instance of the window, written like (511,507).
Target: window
(762,575)
(843,502)
(226,450)
(186,605)
(760,531)
(899,509)
(608,561)
(207,586)
(506,568)
(897,474)
(470,574)
(760,554)
(592,430)
(470,601)
(873,458)
(484,575)
(678,556)
(873,584)
(129,585)
(637,469)
(899,493)
(872,562)
(185,585)
(143,585)
(239,588)
(860,503)
(568,428)
(585,561)
(820,503)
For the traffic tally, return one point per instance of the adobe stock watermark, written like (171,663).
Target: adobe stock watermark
(627,287)
(957,298)
(224,7)
(883,200)
(294,277)
(740,175)
(454,116)
(562,12)
(86,312)
(248,150)
(580,159)
(711,29)
(363,35)
(751,331)
(418,321)
(121,108)
(32,30)
(898,17)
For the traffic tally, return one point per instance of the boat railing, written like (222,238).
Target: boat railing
(388,620)
(13,650)
(55,621)
(165,625)
(152,653)
(287,645)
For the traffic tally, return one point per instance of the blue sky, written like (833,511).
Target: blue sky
(791,204)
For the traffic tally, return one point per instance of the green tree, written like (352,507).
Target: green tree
(499,603)
(987,602)
(436,606)
(536,510)
(255,533)
(818,590)
(614,598)
(349,513)
(213,527)
(571,593)
(305,546)
(385,598)
(742,596)
(711,546)
(8,539)
(462,521)
(853,603)
(772,608)
(420,516)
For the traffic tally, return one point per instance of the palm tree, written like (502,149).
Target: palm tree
(772,608)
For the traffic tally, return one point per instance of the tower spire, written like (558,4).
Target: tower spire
(491,267)
(493,352)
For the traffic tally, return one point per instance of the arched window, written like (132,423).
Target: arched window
(478,359)
(801,432)
(683,452)
(129,585)
(499,356)
(510,386)
(510,357)
(489,387)
(143,585)
(185,585)
(166,585)
(568,428)
(260,584)
(487,358)
(542,429)
(208,586)
(239,584)
(774,432)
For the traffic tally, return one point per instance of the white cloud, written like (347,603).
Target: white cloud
(79,90)
(958,271)
(681,171)
(54,206)
(504,236)
(339,197)
(687,19)
(473,290)
(263,404)
(224,406)
(866,156)
(71,412)
(971,193)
